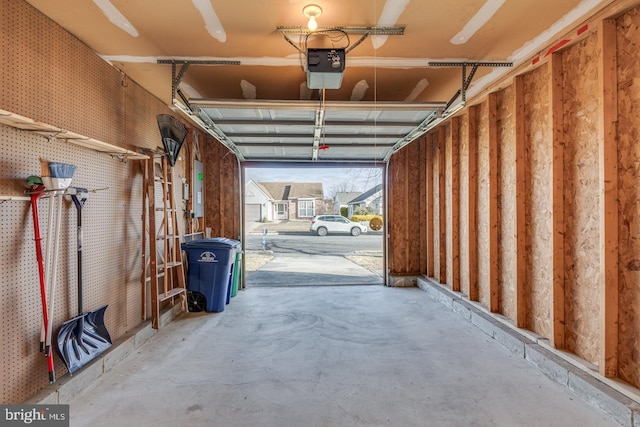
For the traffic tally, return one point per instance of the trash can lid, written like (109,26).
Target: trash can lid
(212,242)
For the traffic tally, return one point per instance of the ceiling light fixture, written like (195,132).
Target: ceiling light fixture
(312,11)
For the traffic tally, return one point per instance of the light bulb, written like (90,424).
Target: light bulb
(313,24)
(312,11)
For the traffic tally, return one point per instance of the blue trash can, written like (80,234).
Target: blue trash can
(210,268)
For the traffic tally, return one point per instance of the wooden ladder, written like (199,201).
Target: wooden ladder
(163,268)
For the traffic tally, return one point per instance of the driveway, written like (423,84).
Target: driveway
(311,270)
(287,254)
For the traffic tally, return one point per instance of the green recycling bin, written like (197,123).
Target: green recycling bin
(237,273)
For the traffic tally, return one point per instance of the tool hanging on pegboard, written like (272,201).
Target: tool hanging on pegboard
(173,133)
(83,338)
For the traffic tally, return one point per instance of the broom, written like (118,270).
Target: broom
(56,175)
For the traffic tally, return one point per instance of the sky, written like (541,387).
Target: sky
(333,179)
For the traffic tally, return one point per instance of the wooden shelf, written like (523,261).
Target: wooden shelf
(50,131)
(12,198)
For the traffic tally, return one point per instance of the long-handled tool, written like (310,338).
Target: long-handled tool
(37,191)
(52,270)
(84,337)
(56,177)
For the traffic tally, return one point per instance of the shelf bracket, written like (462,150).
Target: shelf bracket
(176,78)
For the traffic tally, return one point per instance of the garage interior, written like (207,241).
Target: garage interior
(508,132)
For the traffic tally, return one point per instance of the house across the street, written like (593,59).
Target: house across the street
(343,198)
(370,199)
(283,200)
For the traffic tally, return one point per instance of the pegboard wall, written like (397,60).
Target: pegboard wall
(48,75)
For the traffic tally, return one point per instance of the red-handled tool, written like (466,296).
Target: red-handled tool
(37,191)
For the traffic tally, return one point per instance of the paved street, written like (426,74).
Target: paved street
(306,243)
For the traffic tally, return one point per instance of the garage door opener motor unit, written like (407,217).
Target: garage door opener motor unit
(325,68)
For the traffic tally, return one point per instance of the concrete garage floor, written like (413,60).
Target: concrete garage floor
(327,356)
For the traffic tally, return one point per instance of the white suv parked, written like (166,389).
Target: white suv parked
(324,224)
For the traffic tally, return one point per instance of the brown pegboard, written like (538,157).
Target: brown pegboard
(46,74)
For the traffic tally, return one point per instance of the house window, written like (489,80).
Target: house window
(306,208)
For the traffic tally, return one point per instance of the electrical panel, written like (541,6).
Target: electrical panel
(197,187)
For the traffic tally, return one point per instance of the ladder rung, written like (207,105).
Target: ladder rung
(170,236)
(169,265)
(172,293)
(159,275)
(167,209)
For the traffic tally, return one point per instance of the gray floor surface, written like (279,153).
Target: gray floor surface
(327,356)
(311,270)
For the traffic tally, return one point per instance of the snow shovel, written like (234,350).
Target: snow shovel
(85,337)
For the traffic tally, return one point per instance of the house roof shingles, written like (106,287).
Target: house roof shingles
(345,197)
(364,196)
(293,190)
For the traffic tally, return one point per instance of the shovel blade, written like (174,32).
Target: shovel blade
(82,339)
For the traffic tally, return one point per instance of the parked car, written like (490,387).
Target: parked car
(324,224)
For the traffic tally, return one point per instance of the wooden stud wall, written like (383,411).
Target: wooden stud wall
(472,183)
(413,197)
(538,155)
(556,201)
(221,191)
(453,205)
(608,294)
(423,208)
(581,100)
(442,207)
(483,200)
(397,188)
(540,182)
(463,197)
(430,153)
(628,137)
(437,241)
(507,206)
(407,182)
(521,179)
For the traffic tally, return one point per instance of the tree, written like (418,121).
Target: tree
(358,180)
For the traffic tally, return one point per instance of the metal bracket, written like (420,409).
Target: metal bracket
(466,80)
(176,79)
(357,43)
(381,31)
(292,43)
(364,31)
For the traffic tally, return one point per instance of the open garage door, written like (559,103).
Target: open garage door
(287,252)
(253,212)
